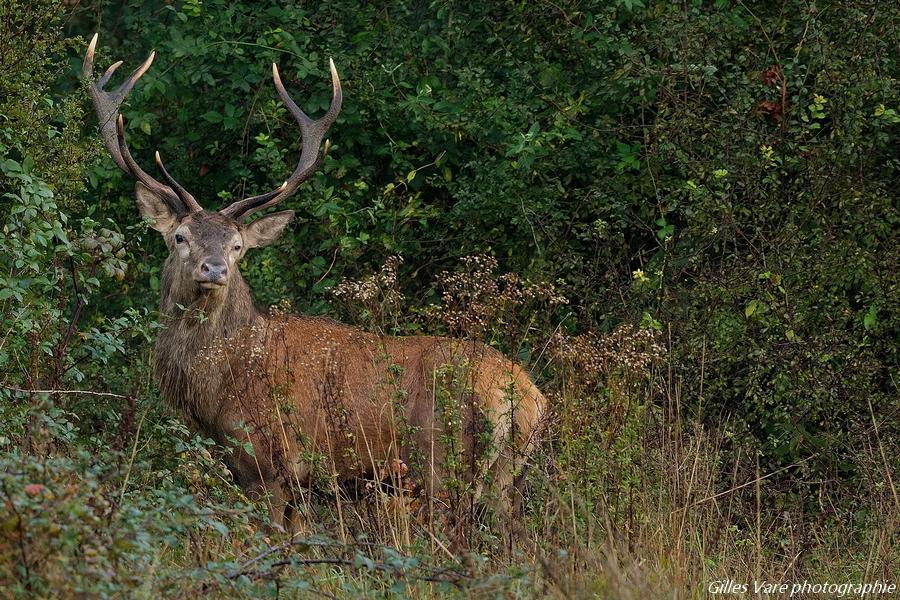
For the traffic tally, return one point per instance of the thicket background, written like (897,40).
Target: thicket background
(722,173)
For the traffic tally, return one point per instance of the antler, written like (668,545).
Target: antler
(310,156)
(112,130)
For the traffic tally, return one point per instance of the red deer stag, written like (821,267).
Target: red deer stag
(288,388)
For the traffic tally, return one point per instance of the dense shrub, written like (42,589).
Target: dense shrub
(723,169)
(711,185)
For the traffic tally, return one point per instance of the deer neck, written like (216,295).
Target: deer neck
(196,340)
(203,314)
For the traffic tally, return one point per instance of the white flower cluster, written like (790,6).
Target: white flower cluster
(379,289)
(628,349)
(474,296)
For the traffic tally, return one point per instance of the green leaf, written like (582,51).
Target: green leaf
(751,308)
(870,320)
(361,560)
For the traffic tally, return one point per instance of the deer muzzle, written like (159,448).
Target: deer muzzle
(213,273)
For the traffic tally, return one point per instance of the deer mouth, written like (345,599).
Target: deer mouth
(211,285)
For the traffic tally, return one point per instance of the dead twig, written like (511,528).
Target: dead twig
(86,392)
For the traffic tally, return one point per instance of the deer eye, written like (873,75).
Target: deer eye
(237,247)
(179,239)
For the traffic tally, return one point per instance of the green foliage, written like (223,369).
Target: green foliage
(55,256)
(710,150)
(75,524)
(37,127)
(723,174)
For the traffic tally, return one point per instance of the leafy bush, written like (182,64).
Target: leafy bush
(710,184)
(687,163)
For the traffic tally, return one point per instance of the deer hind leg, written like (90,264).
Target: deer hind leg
(515,407)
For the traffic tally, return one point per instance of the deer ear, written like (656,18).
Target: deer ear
(267,229)
(155,208)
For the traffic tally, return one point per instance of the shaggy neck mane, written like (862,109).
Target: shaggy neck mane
(197,321)
(200,313)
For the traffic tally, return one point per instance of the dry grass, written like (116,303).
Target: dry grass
(660,507)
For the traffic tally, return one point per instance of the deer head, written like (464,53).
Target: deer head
(206,245)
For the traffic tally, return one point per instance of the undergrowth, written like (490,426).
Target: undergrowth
(707,185)
(625,496)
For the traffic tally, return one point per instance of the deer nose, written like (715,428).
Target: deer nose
(213,271)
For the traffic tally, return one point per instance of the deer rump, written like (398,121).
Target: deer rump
(309,393)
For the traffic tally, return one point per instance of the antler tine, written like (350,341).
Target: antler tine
(133,169)
(310,157)
(183,194)
(109,73)
(112,130)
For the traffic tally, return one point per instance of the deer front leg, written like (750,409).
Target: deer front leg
(284,512)
(261,483)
